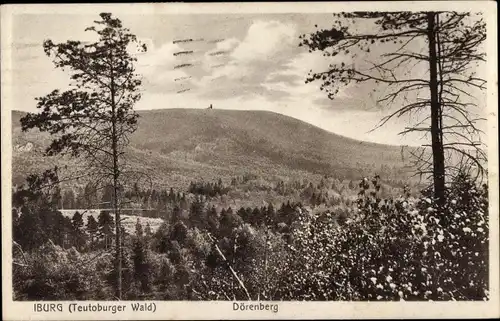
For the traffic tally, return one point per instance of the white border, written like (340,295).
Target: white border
(289,310)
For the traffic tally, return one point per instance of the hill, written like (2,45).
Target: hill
(178,145)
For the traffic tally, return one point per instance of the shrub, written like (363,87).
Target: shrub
(56,274)
(402,249)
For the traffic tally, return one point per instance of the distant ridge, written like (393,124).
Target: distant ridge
(179,145)
(236,111)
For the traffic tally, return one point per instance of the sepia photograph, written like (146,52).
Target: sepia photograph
(255,158)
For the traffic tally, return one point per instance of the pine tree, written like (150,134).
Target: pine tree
(212,220)
(78,234)
(175,254)
(77,221)
(141,267)
(139,258)
(106,225)
(161,238)
(197,215)
(179,232)
(256,217)
(454,43)
(94,117)
(92,229)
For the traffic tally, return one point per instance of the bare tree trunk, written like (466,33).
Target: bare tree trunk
(436,116)
(116,209)
(233,272)
(117,223)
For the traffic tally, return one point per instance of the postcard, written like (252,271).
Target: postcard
(250,160)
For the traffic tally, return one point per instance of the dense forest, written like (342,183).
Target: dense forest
(315,249)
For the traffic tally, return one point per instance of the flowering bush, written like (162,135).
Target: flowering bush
(402,249)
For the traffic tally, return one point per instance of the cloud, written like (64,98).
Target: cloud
(266,47)
(226,45)
(258,64)
(157,66)
(264,41)
(290,78)
(219,56)
(265,62)
(159,57)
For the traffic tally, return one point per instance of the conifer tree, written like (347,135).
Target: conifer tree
(139,258)
(94,117)
(106,225)
(92,229)
(78,233)
(77,221)
(453,43)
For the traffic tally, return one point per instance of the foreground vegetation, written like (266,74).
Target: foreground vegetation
(379,247)
(301,240)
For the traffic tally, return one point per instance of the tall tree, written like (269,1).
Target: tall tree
(106,225)
(78,233)
(94,117)
(444,47)
(77,221)
(92,228)
(197,214)
(139,257)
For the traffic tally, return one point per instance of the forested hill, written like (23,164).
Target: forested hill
(179,145)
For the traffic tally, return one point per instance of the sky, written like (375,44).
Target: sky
(238,61)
